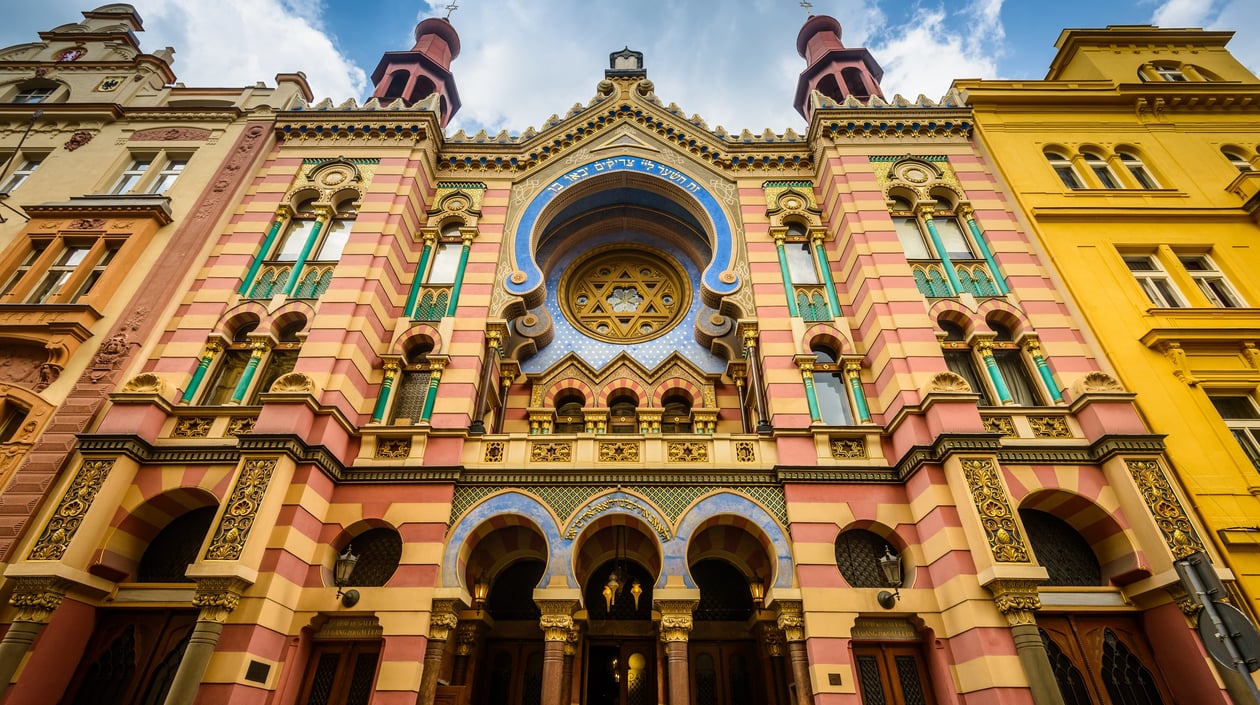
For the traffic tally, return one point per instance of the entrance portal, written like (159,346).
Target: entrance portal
(621,674)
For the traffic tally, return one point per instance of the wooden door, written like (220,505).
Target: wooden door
(340,673)
(512,674)
(1102,660)
(621,673)
(892,674)
(131,657)
(724,673)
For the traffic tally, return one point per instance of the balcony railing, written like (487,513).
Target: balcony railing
(973,278)
(811,301)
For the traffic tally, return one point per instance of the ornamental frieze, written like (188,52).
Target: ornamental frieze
(242,506)
(994,508)
(51,545)
(1164,506)
(613,503)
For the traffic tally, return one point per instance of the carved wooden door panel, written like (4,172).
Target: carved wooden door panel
(724,673)
(340,673)
(131,657)
(512,674)
(1102,660)
(892,674)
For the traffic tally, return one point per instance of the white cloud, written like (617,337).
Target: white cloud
(928,54)
(1240,15)
(1182,13)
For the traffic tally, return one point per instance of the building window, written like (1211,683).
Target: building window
(677,413)
(34,94)
(569,418)
(1011,363)
(280,360)
(28,166)
(830,387)
(232,363)
(59,271)
(1064,170)
(150,174)
(316,273)
(1243,419)
(1211,281)
(413,387)
(1169,73)
(623,408)
(1101,170)
(1154,281)
(801,263)
(960,360)
(340,672)
(12,416)
(1138,170)
(909,232)
(1238,159)
(444,264)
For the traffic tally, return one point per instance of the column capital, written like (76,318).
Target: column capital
(817,236)
(1032,344)
(779,238)
(965,209)
(284,210)
(391,367)
(37,597)
(217,597)
(925,210)
(983,345)
(1017,599)
(443,619)
(676,619)
(557,618)
(214,346)
(791,619)
(260,346)
(466,637)
(748,331)
(769,635)
(571,642)
(806,364)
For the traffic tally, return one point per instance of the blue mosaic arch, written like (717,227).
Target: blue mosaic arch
(559,561)
(728,503)
(529,278)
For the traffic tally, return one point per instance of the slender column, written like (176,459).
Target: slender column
(216,597)
(435,377)
(749,333)
(430,239)
(258,348)
(985,348)
(494,343)
(556,622)
(1033,346)
(459,274)
(465,641)
(786,275)
(739,374)
(387,388)
(806,364)
(853,373)
(507,375)
(771,640)
(36,599)
(566,676)
(442,621)
(968,214)
(676,623)
(820,259)
(792,621)
(1017,599)
(283,214)
(213,347)
(925,212)
(322,214)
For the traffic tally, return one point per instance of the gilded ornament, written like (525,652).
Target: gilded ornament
(494,452)
(610,503)
(745,452)
(1049,427)
(192,427)
(558,452)
(1016,599)
(996,517)
(687,452)
(619,295)
(771,638)
(393,448)
(65,521)
(1164,506)
(790,621)
(618,452)
(848,448)
(1000,424)
(144,383)
(234,527)
(240,425)
(37,597)
(947,382)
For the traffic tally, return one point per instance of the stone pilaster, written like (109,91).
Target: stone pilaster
(557,623)
(442,621)
(791,619)
(1018,599)
(36,599)
(676,624)
(216,597)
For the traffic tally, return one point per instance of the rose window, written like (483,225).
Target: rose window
(623,295)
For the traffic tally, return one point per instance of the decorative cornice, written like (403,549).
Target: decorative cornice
(157,208)
(616,477)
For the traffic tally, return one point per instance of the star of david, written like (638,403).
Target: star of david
(624,296)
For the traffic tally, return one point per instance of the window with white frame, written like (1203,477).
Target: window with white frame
(132,175)
(1154,281)
(800,262)
(1169,73)
(1243,419)
(167,174)
(1064,170)
(1101,170)
(1138,170)
(1238,159)
(909,232)
(1211,281)
(34,94)
(59,270)
(27,164)
(150,173)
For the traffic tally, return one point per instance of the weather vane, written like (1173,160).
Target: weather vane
(451,8)
(808,6)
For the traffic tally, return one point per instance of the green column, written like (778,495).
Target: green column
(811,394)
(1033,346)
(984,252)
(459,275)
(435,376)
(946,262)
(257,349)
(409,310)
(282,216)
(787,277)
(986,353)
(853,372)
(387,386)
(820,257)
(213,348)
(305,254)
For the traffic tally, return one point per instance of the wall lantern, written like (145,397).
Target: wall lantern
(890,563)
(342,570)
(757,587)
(481,590)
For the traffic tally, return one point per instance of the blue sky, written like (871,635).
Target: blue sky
(734,63)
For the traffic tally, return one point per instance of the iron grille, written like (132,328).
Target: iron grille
(724,595)
(379,551)
(1128,681)
(869,680)
(1064,554)
(175,547)
(1066,674)
(857,557)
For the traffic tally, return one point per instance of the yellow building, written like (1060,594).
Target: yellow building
(1134,163)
